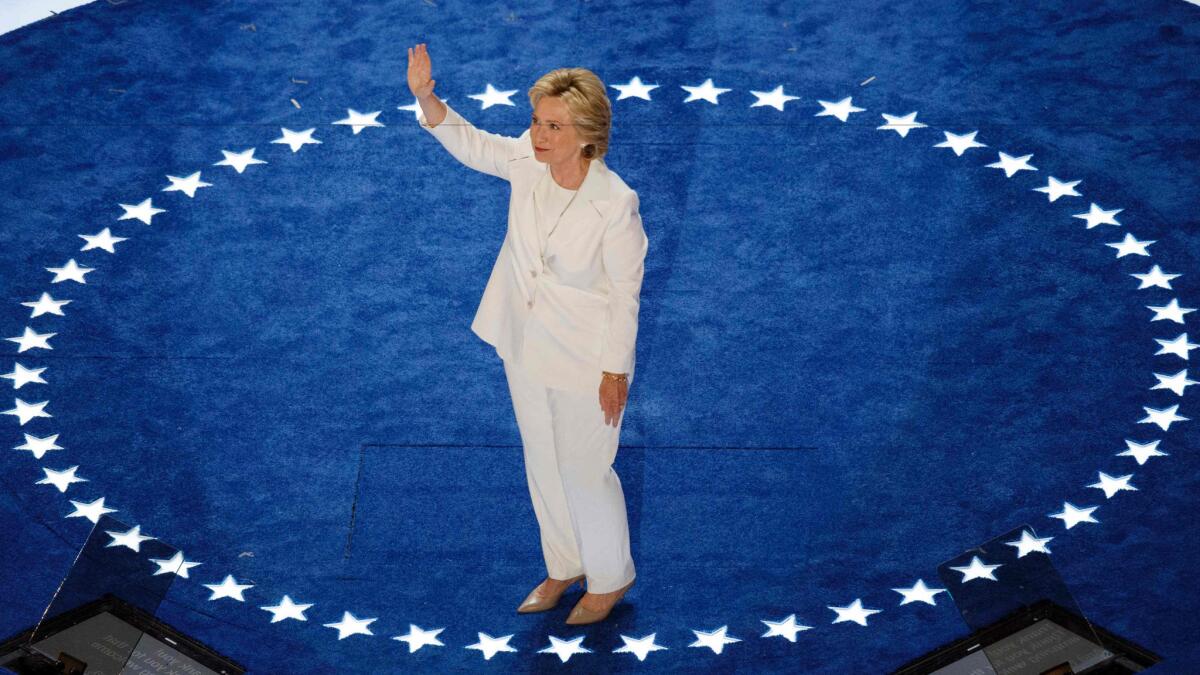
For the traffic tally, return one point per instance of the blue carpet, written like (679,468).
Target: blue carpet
(859,354)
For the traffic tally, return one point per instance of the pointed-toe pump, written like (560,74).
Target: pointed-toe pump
(581,615)
(538,601)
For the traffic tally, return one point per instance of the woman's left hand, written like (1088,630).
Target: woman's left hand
(613,394)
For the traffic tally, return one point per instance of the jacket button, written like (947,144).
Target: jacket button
(533,273)
(529,304)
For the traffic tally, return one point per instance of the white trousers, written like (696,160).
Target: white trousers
(576,494)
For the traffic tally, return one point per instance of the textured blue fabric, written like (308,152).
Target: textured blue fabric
(859,355)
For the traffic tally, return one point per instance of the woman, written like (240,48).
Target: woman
(561,309)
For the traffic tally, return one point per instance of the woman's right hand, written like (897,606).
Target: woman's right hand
(419,70)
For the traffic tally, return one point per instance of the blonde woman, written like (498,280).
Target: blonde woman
(561,309)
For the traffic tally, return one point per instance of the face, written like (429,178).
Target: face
(552,134)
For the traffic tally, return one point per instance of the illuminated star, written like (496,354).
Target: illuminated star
(492,96)
(1011,164)
(977,570)
(228,588)
(1179,346)
(901,125)
(144,211)
(176,564)
(1112,485)
(854,612)
(103,239)
(785,629)
(960,143)
(351,625)
(840,110)
(1130,246)
(39,446)
(490,646)
(239,160)
(46,305)
(187,186)
(1177,383)
(415,107)
(1155,277)
(69,272)
(919,593)
(639,647)
(565,649)
(1141,451)
(27,411)
(22,376)
(1030,544)
(1072,515)
(131,539)
(287,609)
(297,139)
(715,640)
(92,511)
(1055,188)
(1172,311)
(774,98)
(417,637)
(1098,216)
(635,89)
(32,340)
(358,121)
(1163,418)
(61,479)
(705,92)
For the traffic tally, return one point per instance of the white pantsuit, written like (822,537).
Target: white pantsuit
(560,307)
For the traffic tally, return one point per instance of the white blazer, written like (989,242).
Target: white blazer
(575,315)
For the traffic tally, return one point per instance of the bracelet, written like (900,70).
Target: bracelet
(622,377)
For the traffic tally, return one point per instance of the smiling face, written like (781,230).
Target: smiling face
(553,136)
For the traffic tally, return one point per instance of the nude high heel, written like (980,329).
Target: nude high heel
(537,602)
(582,615)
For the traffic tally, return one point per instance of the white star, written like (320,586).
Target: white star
(61,479)
(1177,383)
(415,107)
(239,160)
(492,96)
(1111,485)
(854,612)
(1172,311)
(187,186)
(416,637)
(103,239)
(715,640)
(351,625)
(491,645)
(639,647)
(32,340)
(565,649)
(1055,188)
(228,588)
(1072,515)
(22,376)
(1130,246)
(774,98)
(1011,164)
(785,629)
(1163,418)
(1098,216)
(901,125)
(919,593)
(1155,277)
(705,92)
(39,446)
(297,139)
(977,570)
(71,271)
(960,143)
(840,110)
(1030,544)
(1179,346)
(635,88)
(46,305)
(27,411)
(144,212)
(287,609)
(358,121)
(92,511)
(1141,451)
(131,540)
(176,564)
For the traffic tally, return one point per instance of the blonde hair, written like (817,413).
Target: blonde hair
(586,99)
